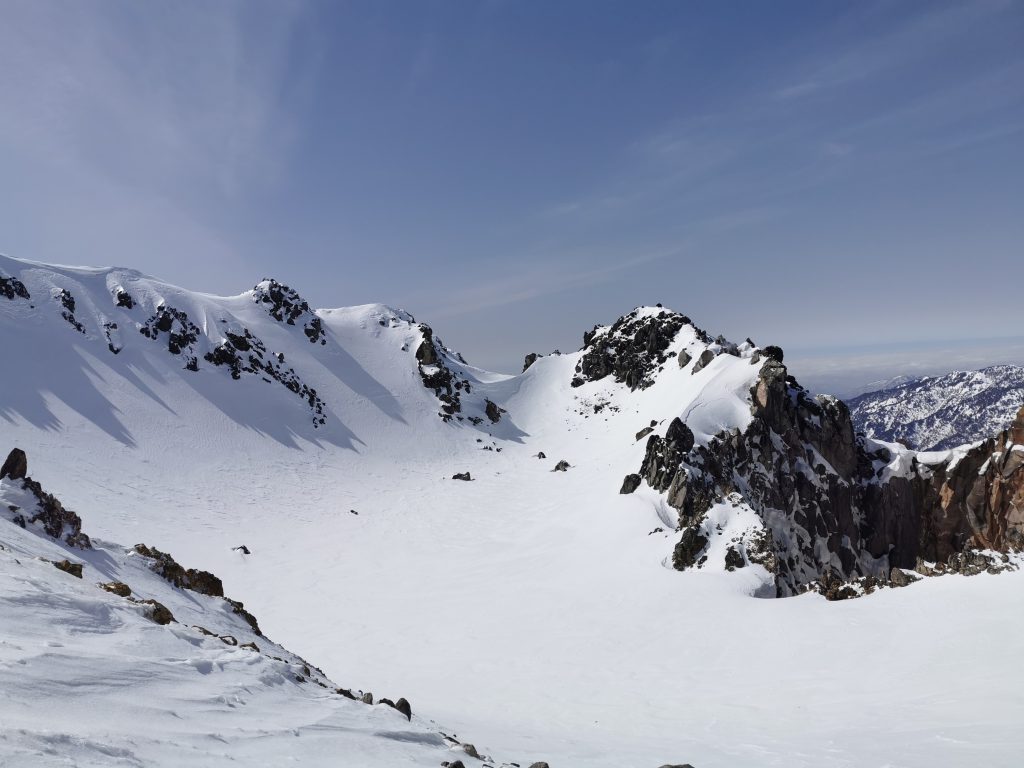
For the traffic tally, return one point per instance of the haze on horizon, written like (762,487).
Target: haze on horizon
(842,179)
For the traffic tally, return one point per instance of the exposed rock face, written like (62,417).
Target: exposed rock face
(182,333)
(529,360)
(703,361)
(203,582)
(15,466)
(493,412)
(118,588)
(835,506)
(438,376)
(287,306)
(631,350)
(404,707)
(630,483)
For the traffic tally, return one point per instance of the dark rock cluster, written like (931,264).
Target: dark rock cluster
(286,306)
(67,302)
(246,353)
(182,334)
(632,350)
(58,523)
(436,375)
(12,288)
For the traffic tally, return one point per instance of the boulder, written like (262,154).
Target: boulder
(16,465)
(367,698)
(529,360)
(403,706)
(733,559)
(493,412)
(679,436)
(684,358)
(630,483)
(157,612)
(690,546)
(561,466)
(470,750)
(900,578)
(462,476)
(75,569)
(644,433)
(117,588)
(702,362)
(539,765)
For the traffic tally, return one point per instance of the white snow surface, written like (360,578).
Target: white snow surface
(533,613)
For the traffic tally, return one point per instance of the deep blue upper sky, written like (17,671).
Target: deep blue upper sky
(818,175)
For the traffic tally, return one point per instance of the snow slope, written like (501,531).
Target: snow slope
(533,612)
(89,679)
(935,413)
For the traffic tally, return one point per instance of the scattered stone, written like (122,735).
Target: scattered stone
(367,698)
(462,476)
(229,639)
(470,750)
(541,455)
(118,588)
(75,569)
(16,465)
(644,433)
(250,646)
(684,358)
(203,582)
(241,548)
(561,466)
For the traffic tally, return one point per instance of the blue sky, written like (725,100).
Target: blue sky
(825,176)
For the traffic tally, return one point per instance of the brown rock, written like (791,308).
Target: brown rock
(118,588)
(75,569)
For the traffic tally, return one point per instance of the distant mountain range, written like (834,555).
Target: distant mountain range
(941,412)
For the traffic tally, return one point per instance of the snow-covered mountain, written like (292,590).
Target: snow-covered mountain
(935,413)
(583,595)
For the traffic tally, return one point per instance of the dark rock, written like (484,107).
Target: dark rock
(455,764)
(688,549)
(118,588)
(241,548)
(59,523)
(703,361)
(773,353)
(493,411)
(250,646)
(346,693)
(462,476)
(228,639)
(644,433)
(679,436)
(630,483)
(631,351)
(529,360)
(470,750)
(367,698)
(238,608)
(123,299)
(12,287)
(561,466)
(541,455)
(733,559)
(16,465)
(75,569)
(539,765)
(684,358)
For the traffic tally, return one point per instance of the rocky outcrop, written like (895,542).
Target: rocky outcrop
(15,465)
(181,333)
(203,582)
(631,350)
(286,306)
(245,353)
(57,522)
(12,288)
(67,302)
(835,506)
(75,569)
(438,376)
(529,360)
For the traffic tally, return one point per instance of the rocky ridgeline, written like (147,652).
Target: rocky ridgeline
(836,507)
(449,387)
(631,350)
(48,513)
(286,306)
